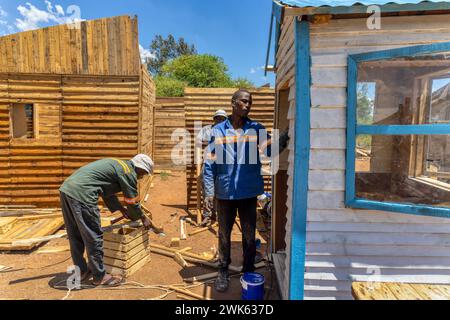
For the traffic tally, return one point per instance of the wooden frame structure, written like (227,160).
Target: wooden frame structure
(94,100)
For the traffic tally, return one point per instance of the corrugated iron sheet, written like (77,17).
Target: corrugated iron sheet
(348,3)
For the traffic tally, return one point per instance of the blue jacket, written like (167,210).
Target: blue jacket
(232,168)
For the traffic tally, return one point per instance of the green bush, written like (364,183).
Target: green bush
(169,87)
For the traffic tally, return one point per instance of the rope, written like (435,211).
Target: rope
(135,286)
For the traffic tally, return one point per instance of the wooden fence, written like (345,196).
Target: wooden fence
(169,116)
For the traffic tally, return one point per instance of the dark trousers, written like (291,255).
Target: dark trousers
(84,230)
(227,210)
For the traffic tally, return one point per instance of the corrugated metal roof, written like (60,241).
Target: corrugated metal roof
(349,3)
(344,7)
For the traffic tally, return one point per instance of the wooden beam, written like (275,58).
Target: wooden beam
(188,293)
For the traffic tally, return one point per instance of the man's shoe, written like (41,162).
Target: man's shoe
(221,284)
(206,222)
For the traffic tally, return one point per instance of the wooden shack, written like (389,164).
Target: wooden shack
(69,95)
(363,194)
(200,106)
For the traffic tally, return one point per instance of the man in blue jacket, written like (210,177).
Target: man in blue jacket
(232,174)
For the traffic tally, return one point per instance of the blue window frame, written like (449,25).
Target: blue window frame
(390,130)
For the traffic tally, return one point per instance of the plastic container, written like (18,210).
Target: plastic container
(252,286)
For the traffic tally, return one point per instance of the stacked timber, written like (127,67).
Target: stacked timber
(169,117)
(126,250)
(26,228)
(201,104)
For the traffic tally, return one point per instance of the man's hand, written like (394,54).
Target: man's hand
(146,222)
(209,203)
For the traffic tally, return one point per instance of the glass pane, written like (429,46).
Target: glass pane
(406,90)
(404,169)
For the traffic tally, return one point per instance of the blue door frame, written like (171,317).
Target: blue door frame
(301,160)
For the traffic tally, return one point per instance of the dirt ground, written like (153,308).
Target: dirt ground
(37,276)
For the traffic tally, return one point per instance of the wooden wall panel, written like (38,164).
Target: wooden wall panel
(201,104)
(35,165)
(98,47)
(5,178)
(169,116)
(100,119)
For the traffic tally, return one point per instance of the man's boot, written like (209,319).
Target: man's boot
(222,282)
(206,222)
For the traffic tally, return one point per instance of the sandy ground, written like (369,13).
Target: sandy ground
(43,276)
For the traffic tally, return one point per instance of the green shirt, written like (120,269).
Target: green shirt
(104,178)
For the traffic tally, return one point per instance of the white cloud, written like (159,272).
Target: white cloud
(3,21)
(33,17)
(256,69)
(3,13)
(145,54)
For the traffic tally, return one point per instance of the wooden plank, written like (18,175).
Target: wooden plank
(6,224)
(127,272)
(128,254)
(56,249)
(430,292)
(126,264)
(404,291)
(188,293)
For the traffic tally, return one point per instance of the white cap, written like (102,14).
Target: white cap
(144,162)
(220,113)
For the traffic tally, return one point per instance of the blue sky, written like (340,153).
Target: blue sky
(236,30)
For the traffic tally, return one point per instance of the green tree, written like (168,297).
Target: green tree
(243,83)
(199,71)
(169,87)
(365,104)
(364,113)
(166,50)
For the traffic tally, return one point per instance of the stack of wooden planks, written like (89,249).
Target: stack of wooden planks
(126,250)
(27,228)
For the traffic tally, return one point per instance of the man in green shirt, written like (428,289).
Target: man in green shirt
(79,201)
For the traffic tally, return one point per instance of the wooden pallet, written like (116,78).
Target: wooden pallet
(30,227)
(126,250)
(6,224)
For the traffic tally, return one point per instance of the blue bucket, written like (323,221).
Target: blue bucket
(252,286)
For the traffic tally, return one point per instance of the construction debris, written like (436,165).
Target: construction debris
(188,293)
(208,276)
(53,249)
(175,242)
(183,229)
(3,268)
(211,227)
(179,259)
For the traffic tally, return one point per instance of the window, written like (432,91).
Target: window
(23,121)
(398,130)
